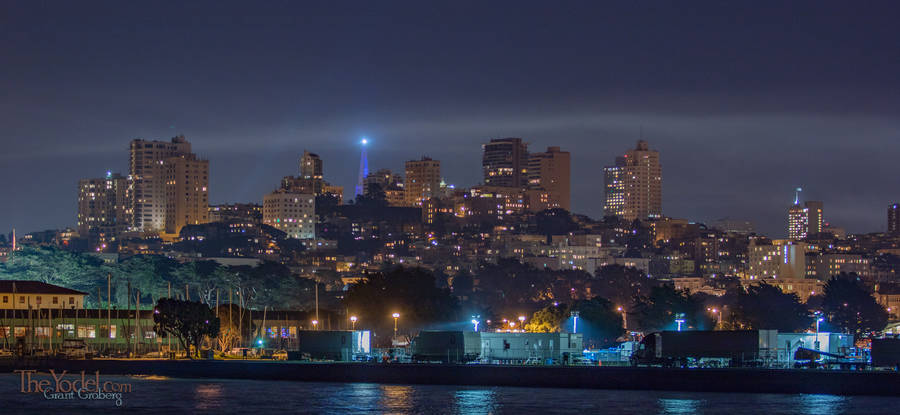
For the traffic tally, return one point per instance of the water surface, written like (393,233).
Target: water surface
(221,396)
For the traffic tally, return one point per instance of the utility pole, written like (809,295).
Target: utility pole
(137,320)
(128,308)
(169,338)
(108,312)
(99,308)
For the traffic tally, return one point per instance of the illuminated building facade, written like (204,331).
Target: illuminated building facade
(893,221)
(103,209)
(643,183)
(236,212)
(824,266)
(423,180)
(187,192)
(505,162)
(550,171)
(157,172)
(291,212)
(779,259)
(614,189)
(310,166)
(805,220)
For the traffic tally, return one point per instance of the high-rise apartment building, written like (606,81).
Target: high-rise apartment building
(505,162)
(187,192)
(423,180)
(893,226)
(291,212)
(634,185)
(161,170)
(310,166)
(805,220)
(550,171)
(614,188)
(103,209)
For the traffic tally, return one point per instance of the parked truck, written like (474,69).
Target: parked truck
(703,348)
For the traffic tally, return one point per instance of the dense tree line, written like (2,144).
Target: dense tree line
(269,284)
(505,289)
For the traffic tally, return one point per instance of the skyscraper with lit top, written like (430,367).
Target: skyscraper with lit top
(805,219)
(893,221)
(363,167)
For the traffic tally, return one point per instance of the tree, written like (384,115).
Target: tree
(765,306)
(231,326)
(512,284)
(658,310)
(188,321)
(849,305)
(411,292)
(150,274)
(621,284)
(548,319)
(463,283)
(54,266)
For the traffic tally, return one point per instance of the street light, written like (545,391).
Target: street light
(353,322)
(522,322)
(396,316)
(475,322)
(679,319)
(624,319)
(818,320)
(718,314)
(315,324)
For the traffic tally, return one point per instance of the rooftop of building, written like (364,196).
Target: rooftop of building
(34,287)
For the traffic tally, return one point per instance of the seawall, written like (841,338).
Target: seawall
(884,383)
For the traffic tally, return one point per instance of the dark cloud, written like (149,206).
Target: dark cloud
(744,102)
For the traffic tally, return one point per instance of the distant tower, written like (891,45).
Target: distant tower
(633,186)
(310,166)
(804,220)
(894,219)
(505,162)
(363,167)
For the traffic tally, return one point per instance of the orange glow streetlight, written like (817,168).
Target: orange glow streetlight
(396,317)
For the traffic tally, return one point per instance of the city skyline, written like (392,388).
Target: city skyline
(762,111)
(776,229)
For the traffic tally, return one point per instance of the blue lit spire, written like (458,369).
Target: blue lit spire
(363,167)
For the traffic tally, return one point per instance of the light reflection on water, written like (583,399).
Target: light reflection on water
(822,404)
(221,397)
(208,396)
(679,406)
(395,398)
(478,401)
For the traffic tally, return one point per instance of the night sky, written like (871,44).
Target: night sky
(745,102)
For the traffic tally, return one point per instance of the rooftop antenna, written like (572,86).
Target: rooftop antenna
(797,196)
